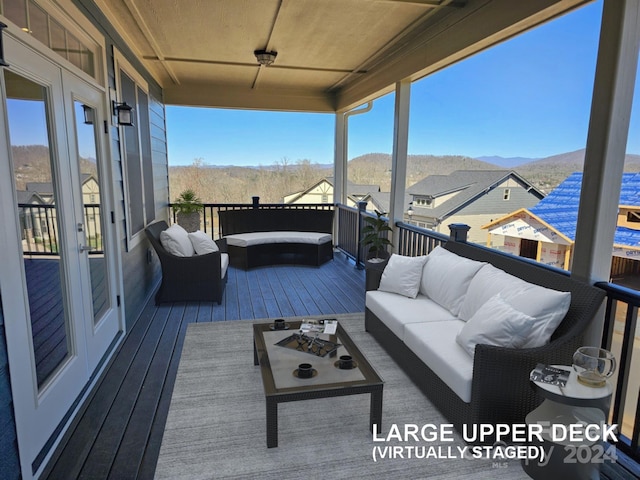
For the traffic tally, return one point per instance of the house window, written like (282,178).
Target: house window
(507,194)
(37,22)
(424,202)
(136,155)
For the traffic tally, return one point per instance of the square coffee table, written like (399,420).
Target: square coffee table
(278,364)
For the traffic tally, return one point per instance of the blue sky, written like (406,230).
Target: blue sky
(529,97)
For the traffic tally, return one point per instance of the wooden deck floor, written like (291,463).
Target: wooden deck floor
(119,434)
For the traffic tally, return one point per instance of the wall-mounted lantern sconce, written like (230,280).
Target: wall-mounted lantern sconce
(88,114)
(2,62)
(124,112)
(410,210)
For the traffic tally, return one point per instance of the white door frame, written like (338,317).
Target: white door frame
(99,335)
(40,411)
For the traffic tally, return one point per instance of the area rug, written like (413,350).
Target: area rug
(216,423)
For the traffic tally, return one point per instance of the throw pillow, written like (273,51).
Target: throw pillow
(402,275)
(495,323)
(175,240)
(547,307)
(202,243)
(446,278)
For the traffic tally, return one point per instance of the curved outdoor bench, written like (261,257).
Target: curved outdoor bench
(259,237)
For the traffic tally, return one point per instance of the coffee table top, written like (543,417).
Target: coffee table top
(279,363)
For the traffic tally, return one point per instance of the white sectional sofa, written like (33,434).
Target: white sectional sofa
(468,324)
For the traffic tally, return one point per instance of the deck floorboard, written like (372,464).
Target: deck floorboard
(120,431)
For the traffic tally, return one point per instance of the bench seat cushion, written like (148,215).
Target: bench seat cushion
(435,344)
(396,311)
(260,238)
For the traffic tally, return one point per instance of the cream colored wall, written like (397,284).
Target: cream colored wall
(476,234)
(312,196)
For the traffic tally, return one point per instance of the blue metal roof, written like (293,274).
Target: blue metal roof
(560,208)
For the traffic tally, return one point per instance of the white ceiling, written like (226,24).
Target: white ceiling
(332,54)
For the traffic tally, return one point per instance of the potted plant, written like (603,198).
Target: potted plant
(375,237)
(188,207)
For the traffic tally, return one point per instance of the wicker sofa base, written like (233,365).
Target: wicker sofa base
(443,398)
(280,253)
(500,390)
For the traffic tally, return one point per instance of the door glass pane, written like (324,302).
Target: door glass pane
(35,183)
(92,205)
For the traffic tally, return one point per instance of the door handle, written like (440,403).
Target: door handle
(86,248)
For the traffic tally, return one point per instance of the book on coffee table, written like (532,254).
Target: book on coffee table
(551,375)
(328,326)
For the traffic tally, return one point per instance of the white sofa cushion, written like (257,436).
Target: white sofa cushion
(202,243)
(435,344)
(396,311)
(259,238)
(547,307)
(175,240)
(402,275)
(224,264)
(446,277)
(495,323)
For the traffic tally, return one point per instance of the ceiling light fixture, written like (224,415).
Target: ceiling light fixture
(264,57)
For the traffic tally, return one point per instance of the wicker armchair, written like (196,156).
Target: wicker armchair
(184,279)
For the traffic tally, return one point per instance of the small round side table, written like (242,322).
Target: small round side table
(572,404)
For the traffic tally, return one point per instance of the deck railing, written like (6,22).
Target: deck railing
(621,337)
(39,228)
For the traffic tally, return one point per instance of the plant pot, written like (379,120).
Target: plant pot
(189,221)
(376,263)
(377,260)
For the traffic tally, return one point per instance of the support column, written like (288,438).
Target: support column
(340,160)
(606,145)
(399,157)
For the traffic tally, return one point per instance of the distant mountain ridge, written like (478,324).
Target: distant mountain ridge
(506,162)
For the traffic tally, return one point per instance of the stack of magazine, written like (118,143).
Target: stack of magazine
(551,375)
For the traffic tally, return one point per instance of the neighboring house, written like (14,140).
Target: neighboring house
(473,197)
(381,201)
(322,192)
(546,232)
(32,220)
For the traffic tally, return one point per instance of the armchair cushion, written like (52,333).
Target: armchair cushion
(175,240)
(202,243)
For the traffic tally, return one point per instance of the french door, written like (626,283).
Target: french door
(57,250)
